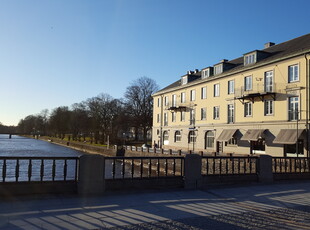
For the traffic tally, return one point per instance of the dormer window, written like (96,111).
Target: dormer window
(184,80)
(249,58)
(206,73)
(218,69)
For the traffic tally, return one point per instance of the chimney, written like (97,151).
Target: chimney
(269,44)
(224,60)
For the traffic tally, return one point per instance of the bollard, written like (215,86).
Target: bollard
(192,171)
(91,175)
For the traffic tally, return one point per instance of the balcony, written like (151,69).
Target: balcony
(260,91)
(178,106)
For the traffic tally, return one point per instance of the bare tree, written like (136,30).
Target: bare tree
(139,104)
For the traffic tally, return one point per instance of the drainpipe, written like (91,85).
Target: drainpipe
(161,121)
(307,103)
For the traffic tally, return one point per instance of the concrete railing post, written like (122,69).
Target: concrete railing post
(91,175)
(192,171)
(264,169)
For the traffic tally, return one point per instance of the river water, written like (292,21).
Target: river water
(19,146)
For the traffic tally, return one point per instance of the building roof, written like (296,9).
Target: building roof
(295,46)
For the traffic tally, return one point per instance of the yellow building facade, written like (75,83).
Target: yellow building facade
(255,104)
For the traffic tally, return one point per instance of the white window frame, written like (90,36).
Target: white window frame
(216,90)
(184,80)
(166,100)
(191,136)
(216,112)
(293,107)
(174,100)
(248,83)
(177,136)
(203,114)
(249,58)
(165,119)
(193,95)
(231,87)
(173,117)
(230,113)
(192,117)
(183,97)
(268,107)
(158,102)
(293,73)
(269,81)
(218,69)
(204,92)
(182,117)
(248,109)
(209,139)
(205,73)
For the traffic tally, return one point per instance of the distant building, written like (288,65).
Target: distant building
(254,104)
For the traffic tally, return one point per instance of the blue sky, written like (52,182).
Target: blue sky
(59,52)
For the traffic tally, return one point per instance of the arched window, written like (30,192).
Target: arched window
(209,139)
(191,137)
(165,137)
(177,136)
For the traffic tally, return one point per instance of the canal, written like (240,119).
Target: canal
(19,146)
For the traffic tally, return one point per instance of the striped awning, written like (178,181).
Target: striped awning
(288,136)
(253,135)
(227,134)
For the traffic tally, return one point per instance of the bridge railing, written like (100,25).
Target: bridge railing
(282,165)
(143,167)
(30,169)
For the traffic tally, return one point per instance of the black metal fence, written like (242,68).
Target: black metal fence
(18,169)
(221,165)
(143,167)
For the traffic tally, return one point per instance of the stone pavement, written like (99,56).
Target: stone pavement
(276,206)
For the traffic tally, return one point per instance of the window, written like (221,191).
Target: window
(203,113)
(216,112)
(192,117)
(205,73)
(166,137)
(230,113)
(203,92)
(191,137)
(293,108)
(165,119)
(292,148)
(158,118)
(216,89)
(184,80)
(158,102)
(248,109)
(218,69)
(231,87)
(183,97)
(293,73)
(269,81)
(232,141)
(248,83)
(250,59)
(209,139)
(173,116)
(182,115)
(177,136)
(268,107)
(193,95)
(166,101)
(174,100)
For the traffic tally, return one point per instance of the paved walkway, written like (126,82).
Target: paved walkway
(277,206)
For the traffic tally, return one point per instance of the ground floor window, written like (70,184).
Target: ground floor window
(191,137)
(166,137)
(292,149)
(231,141)
(209,139)
(177,136)
(258,146)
